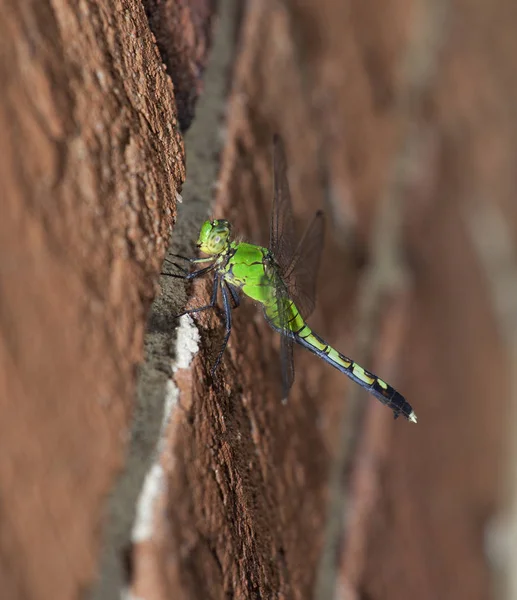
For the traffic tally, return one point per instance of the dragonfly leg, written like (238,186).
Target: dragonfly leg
(190,260)
(189,276)
(213,300)
(166,260)
(228,326)
(184,271)
(234,294)
(199,272)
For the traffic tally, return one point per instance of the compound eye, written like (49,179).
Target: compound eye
(217,239)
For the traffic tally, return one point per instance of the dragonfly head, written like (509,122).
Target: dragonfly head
(214,236)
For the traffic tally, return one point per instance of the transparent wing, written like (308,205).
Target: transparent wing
(298,266)
(287,364)
(279,320)
(295,268)
(300,276)
(281,235)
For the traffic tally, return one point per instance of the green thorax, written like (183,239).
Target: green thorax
(251,269)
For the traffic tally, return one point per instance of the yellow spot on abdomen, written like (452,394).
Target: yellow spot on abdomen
(336,357)
(360,373)
(314,341)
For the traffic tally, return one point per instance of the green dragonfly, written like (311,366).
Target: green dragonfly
(282,279)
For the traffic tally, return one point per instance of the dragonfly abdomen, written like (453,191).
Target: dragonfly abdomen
(376,386)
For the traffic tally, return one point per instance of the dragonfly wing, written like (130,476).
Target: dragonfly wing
(278,319)
(287,364)
(281,238)
(296,268)
(301,275)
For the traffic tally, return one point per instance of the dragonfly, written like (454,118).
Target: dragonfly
(282,279)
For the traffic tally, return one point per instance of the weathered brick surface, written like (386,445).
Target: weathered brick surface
(91,161)
(183,31)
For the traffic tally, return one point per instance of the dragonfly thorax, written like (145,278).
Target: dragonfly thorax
(214,237)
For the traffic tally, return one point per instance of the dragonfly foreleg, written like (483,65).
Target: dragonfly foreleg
(190,260)
(182,269)
(189,276)
(228,326)
(200,272)
(213,300)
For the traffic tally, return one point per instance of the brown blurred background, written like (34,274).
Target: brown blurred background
(125,468)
